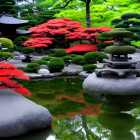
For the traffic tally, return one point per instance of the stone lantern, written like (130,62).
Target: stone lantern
(119,82)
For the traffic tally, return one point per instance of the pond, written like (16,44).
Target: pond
(74,112)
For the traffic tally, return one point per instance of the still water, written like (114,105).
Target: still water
(74,112)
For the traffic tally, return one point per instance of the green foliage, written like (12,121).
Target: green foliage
(19,40)
(56,64)
(6,43)
(6,55)
(46,15)
(93,57)
(40,62)
(89,68)
(28,50)
(103,45)
(32,67)
(46,58)
(72,55)
(136,43)
(130,15)
(66,58)
(78,60)
(8,6)
(60,52)
(52,54)
(115,21)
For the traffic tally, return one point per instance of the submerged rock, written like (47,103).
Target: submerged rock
(20,115)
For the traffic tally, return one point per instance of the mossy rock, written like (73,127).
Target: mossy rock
(121,32)
(120,50)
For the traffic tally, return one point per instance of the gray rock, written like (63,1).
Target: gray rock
(84,74)
(17,58)
(16,53)
(20,115)
(43,67)
(43,72)
(112,84)
(138,64)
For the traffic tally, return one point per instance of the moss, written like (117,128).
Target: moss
(120,32)
(120,50)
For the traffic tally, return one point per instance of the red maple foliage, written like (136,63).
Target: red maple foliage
(9,72)
(59,28)
(82,48)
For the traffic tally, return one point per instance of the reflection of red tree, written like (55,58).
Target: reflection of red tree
(89,110)
(8,72)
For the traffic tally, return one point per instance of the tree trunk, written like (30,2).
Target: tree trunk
(88,13)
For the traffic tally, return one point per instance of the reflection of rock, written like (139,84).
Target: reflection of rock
(34,135)
(20,115)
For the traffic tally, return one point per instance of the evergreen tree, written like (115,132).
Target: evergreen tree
(8,7)
(131,22)
(46,15)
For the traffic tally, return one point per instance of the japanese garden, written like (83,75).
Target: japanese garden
(70,70)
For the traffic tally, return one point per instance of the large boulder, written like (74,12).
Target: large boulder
(20,115)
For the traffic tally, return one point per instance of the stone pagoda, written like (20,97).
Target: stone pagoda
(119,62)
(119,83)
(9,25)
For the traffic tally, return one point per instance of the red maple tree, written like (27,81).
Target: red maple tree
(8,73)
(64,29)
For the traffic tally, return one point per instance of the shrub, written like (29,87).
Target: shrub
(27,50)
(78,60)
(46,58)
(52,54)
(72,55)
(40,62)
(5,55)
(56,64)
(89,68)
(66,58)
(19,40)
(6,43)
(60,52)
(32,67)
(93,57)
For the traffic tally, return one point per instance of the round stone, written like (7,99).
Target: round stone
(43,72)
(112,84)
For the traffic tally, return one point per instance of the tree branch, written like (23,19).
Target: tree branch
(63,5)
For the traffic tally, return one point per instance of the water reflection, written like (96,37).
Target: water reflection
(34,135)
(76,115)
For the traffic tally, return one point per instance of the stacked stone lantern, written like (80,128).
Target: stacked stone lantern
(119,81)
(119,63)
